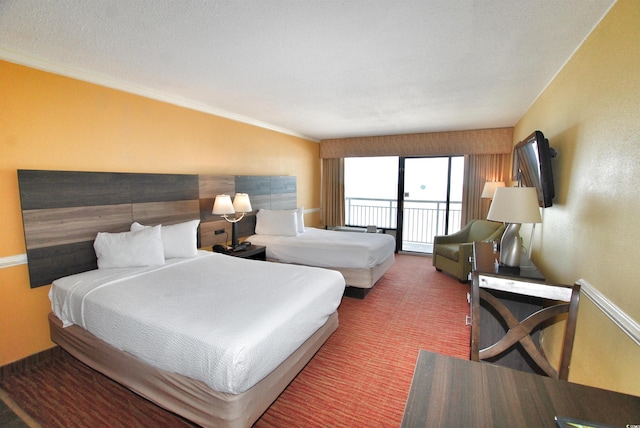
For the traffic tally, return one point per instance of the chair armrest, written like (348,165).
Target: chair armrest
(466,250)
(454,238)
(496,235)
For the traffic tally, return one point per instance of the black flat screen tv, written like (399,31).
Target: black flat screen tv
(532,166)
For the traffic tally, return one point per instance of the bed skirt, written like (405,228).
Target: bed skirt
(187,397)
(358,277)
(366,278)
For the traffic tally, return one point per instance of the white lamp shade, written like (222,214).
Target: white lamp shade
(489,189)
(241,203)
(515,205)
(222,205)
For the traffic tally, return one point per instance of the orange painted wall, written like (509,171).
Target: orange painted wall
(53,122)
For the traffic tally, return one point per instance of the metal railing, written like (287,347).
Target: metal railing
(422,219)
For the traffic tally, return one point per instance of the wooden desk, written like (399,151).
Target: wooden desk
(450,392)
(484,261)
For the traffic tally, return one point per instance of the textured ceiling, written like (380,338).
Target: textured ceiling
(315,68)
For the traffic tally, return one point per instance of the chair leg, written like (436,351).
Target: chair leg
(569,333)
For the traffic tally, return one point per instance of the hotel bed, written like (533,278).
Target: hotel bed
(362,258)
(213,338)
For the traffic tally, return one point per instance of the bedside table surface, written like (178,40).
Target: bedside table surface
(251,250)
(256,252)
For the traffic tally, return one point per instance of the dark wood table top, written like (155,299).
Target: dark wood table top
(452,392)
(485,261)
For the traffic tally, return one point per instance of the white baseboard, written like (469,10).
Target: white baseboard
(617,315)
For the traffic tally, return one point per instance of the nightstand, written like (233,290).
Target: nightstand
(253,252)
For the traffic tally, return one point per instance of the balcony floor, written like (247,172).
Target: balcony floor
(417,247)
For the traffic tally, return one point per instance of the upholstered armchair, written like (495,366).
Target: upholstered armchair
(451,252)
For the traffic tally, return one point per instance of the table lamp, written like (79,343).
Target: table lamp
(223,207)
(489,189)
(513,206)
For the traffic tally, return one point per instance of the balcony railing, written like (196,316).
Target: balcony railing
(422,219)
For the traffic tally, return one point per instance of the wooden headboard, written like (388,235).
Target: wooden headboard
(62,211)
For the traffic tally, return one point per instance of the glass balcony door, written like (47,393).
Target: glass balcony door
(432,200)
(371,191)
(430,205)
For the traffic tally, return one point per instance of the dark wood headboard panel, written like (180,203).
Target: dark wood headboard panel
(63,211)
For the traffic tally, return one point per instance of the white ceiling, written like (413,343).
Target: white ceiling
(315,68)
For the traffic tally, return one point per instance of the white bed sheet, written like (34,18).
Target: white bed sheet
(225,321)
(329,248)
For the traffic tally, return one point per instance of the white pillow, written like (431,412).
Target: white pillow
(129,249)
(277,222)
(300,219)
(179,240)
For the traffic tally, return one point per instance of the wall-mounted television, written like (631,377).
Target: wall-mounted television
(532,166)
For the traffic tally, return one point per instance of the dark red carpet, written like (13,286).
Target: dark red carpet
(360,377)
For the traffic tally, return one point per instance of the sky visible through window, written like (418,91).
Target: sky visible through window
(425,178)
(375,177)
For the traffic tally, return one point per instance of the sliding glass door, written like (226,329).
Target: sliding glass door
(431,190)
(371,191)
(427,190)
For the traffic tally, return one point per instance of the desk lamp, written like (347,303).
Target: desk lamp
(223,207)
(513,206)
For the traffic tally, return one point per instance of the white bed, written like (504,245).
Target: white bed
(362,258)
(224,322)
(127,318)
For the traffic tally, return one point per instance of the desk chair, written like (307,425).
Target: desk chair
(567,299)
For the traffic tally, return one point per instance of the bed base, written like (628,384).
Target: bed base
(356,292)
(187,397)
(359,281)
(366,278)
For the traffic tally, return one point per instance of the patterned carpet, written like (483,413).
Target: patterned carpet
(360,377)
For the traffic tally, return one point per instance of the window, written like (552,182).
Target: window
(431,196)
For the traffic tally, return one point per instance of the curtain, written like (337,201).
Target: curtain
(332,192)
(479,169)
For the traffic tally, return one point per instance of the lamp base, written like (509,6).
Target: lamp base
(510,246)
(234,234)
(240,247)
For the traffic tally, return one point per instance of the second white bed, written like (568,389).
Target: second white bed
(328,248)
(361,257)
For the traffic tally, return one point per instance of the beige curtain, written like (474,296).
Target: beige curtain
(332,192)
(478,170)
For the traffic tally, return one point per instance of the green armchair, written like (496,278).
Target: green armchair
(451,252)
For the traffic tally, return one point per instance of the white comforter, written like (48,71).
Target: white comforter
(329,248)
(223,320)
